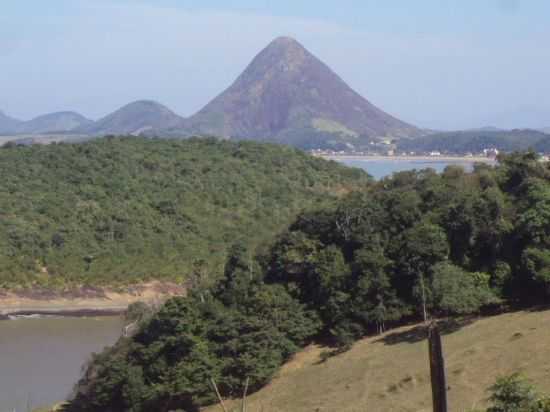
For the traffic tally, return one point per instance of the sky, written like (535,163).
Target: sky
(441,64)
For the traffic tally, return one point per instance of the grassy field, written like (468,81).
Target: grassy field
(390,372)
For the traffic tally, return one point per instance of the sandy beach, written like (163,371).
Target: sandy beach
(85,302)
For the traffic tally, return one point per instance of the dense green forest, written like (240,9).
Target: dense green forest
(450,244)
(475,141)
(121,210)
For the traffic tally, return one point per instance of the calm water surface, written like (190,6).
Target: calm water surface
(41,359)
(378,168)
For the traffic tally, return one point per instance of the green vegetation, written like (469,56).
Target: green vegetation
(240,329)
(476,140)
(448,244)
(331,126)
(452,243)
(515,393)
(121,210)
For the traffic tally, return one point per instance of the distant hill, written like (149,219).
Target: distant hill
(475,141)
(287,95)
(8,124)
(134,118)
(53,122)
(545,130)
(485,129)
(529,116)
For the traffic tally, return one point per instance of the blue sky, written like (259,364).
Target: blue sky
(442,64)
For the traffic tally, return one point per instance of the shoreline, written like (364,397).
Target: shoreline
(82,302)
(427,159)
(62,312)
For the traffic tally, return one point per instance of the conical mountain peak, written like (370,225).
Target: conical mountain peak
(285,42)
(283,51)
(288,95)
(285,95)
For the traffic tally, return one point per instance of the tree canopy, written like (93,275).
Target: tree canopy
(122,210)
(451,243)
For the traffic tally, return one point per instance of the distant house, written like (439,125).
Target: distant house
(435,153)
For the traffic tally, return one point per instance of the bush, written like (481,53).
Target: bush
(514,393)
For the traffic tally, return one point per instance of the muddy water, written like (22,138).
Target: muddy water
(41,358)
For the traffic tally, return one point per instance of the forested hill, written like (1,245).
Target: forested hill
(451,244)
(120,210)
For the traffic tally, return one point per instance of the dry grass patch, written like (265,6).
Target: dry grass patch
(391,373)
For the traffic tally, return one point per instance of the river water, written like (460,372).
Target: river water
(41,358)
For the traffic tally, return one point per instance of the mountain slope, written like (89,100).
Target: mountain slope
(288,95)
(135,118)
(8,124)
(391,372)
(54,122)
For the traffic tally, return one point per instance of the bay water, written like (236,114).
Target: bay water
(41,357)
(380,168)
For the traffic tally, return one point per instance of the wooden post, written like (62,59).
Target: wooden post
(437,369)
(218,394)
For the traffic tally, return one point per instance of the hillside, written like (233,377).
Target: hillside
(53,122)
(474,141)
(134,118)
(287,95)
(126,209)
(8,124)
(391,373)
(447,245)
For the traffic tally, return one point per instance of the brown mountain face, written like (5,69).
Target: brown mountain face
(288,95)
